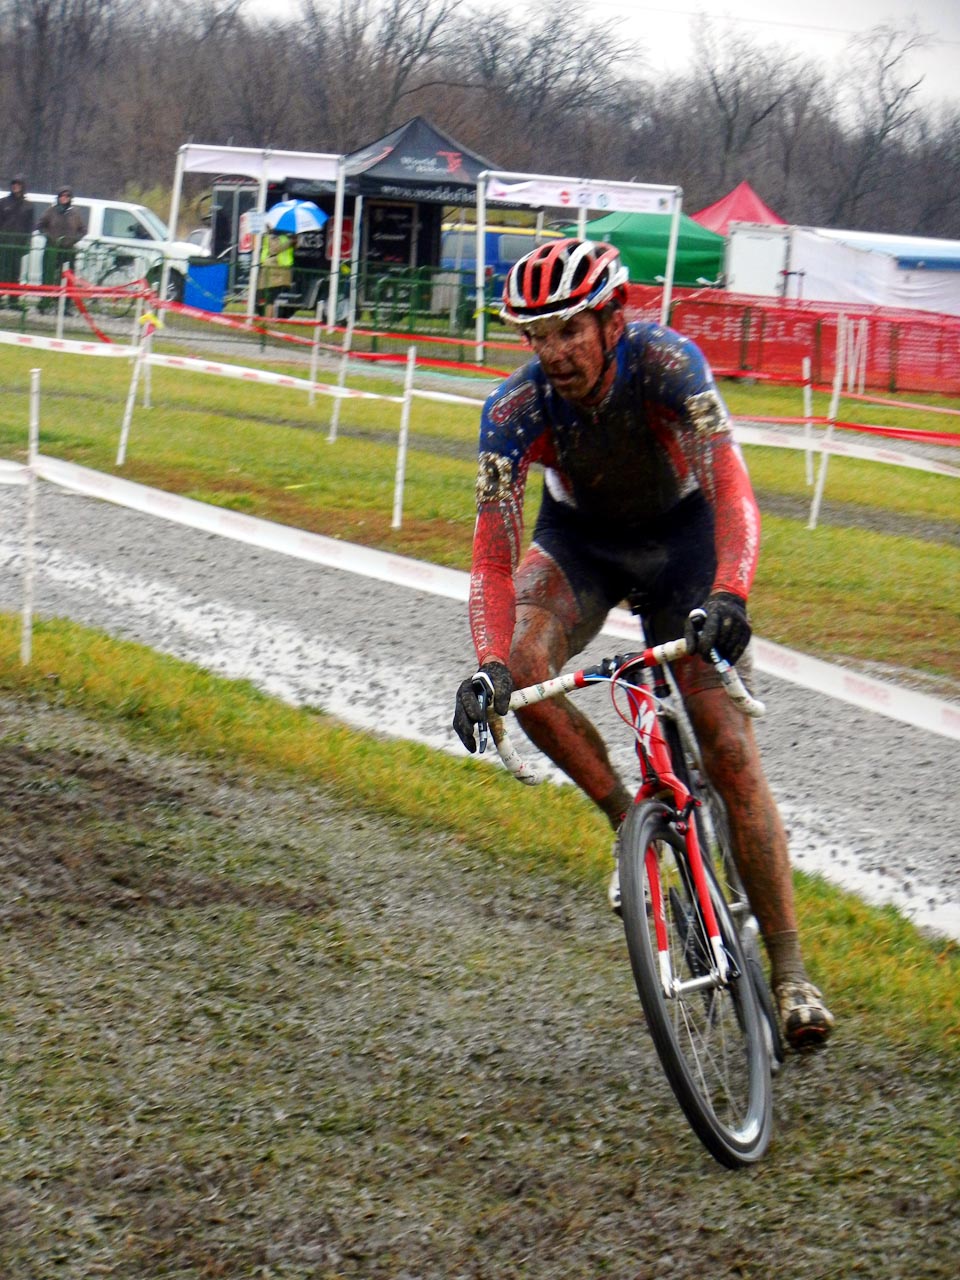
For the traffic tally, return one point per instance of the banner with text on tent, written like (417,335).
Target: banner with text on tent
(560,193)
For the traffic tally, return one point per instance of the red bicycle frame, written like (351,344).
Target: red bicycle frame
(657,775)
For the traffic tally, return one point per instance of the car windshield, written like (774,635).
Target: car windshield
(155,223)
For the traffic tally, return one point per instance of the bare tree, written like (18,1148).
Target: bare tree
(101,93)
(926,193)
(545,79)
(748,89)
(369,57)
(884,108)
(53,52)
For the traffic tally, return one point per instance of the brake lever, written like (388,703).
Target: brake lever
(482,686)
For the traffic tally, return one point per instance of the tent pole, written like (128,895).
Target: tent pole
(257,239)
(671,257)
(347,346)
(481,265)
(174,216)
(335,255)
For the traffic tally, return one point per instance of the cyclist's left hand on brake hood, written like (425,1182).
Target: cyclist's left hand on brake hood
(725,628)
(467,713)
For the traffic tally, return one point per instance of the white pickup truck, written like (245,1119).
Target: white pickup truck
(124,242)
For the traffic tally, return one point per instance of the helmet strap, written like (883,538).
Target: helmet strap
(609,355)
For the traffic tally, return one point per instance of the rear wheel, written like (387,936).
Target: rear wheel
(119,277)
(708,1031)
(175,284)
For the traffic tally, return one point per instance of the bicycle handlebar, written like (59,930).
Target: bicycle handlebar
(608,670)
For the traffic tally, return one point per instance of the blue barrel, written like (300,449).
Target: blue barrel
(206,285)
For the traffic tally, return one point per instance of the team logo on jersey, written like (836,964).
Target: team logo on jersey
(494,478)
(708,414)
(512,404)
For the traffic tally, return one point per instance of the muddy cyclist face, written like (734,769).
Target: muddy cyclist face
(572,351)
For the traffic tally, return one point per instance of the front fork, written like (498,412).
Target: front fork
(673,984)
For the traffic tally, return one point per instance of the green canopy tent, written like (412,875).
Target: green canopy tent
(643,240)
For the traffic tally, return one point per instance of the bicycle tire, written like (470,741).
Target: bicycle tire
(116,278)
(710,1041)
(713,832)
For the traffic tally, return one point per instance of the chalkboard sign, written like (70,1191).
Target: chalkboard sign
(390,232)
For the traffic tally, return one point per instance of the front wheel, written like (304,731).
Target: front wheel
(707,1029)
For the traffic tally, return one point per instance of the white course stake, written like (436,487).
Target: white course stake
(404,433)
(138,363)
(29,533)
(808,414)
(61,310)
(831,419)
(347,345)
(147,376)
(341,379)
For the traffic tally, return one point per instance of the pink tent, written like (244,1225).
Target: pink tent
(742,204)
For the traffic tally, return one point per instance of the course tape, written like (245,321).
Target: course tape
(71,346)
(13,472)
(262,375)
(946,438)
(920,710)
(777,440)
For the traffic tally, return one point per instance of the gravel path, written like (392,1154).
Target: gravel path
(849,782)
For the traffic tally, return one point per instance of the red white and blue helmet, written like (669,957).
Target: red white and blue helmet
(561,278)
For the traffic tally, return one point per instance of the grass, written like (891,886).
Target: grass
(854,593)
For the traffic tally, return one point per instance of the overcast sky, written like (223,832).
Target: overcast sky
(816,28)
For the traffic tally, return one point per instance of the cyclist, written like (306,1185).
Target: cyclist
(645,492)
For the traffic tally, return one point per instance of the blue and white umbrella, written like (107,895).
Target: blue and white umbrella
(295,216)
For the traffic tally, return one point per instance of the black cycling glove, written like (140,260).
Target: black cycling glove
(467,712)
(725,628)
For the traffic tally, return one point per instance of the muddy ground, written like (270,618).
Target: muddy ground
(248,1033)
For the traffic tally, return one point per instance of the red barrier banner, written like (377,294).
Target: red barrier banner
(769,338)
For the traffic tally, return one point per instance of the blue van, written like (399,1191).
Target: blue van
(503,246)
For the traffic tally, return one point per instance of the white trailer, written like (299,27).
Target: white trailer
(819,264)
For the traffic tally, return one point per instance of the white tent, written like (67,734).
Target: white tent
(264,165)
(540,191)
(820,264)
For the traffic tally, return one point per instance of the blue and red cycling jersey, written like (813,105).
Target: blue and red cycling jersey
(660,434)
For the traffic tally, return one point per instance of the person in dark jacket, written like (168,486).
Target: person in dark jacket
(63,226)
(16,228)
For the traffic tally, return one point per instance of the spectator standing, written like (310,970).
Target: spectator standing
(64,227)
(16,228)
(276,270)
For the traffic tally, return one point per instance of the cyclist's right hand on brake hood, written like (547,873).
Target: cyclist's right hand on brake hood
(468,713)
(725,628)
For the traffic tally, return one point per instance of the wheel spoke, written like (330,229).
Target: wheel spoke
(706,1029)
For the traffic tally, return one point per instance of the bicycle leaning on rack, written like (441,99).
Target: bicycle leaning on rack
(691,935)
(120,272)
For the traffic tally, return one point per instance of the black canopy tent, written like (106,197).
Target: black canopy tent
(399,185)
(415,162)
